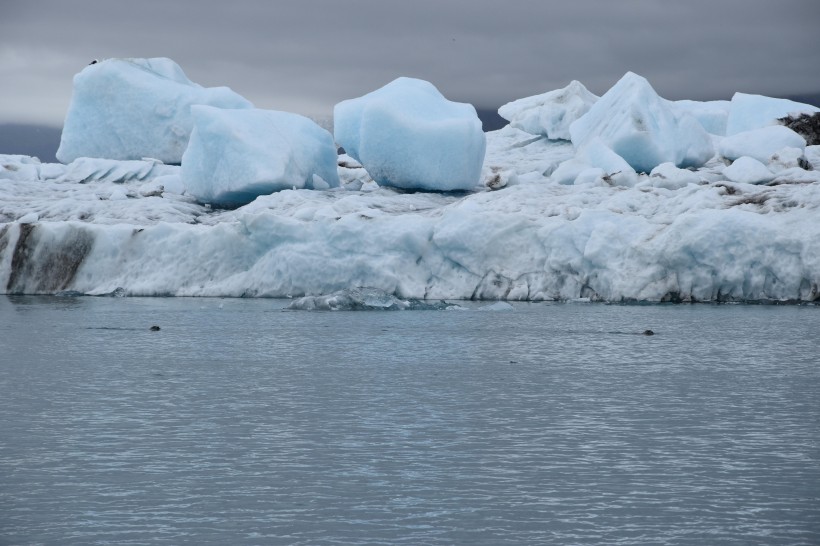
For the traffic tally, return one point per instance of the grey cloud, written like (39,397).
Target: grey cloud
(306,56)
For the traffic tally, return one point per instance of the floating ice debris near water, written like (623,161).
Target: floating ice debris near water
(407,135)
(641,127)
(748,112)
(497,306)
(761,143)
(364,299)
(135,108)
(549,114)
(237,155)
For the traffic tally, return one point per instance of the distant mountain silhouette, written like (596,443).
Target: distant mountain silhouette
(39,141)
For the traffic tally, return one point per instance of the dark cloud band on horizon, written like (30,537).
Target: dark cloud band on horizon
(306,56)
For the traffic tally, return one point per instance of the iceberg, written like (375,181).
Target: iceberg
(547,220)
(637,124)
(550,114)
(234,156)
(748,112)
(407,135)
(130,109)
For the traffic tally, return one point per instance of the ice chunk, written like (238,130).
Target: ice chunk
(237,155)
(596,159)
(760,143)
(748,170)
(755,111)
(666,175)
(549,114)
(641,127)
(407,135)
(135,108)
(365,299)
(712,115)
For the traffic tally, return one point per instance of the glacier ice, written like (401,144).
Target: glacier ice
(743,232)
(748,112)
(135,108)
(407,135)
(550,114)
(236,155)
(641,127)
(712,115)
(760,143)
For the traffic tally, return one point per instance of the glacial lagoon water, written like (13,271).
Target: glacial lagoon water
(242,423)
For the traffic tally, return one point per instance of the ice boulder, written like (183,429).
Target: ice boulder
(748,170)
(761,143)
(666,175)
(550,114)
(130,109)
(755,111)
(643,128)
(235,156)
(407,135)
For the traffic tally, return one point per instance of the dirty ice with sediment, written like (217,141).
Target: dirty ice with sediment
(169,188)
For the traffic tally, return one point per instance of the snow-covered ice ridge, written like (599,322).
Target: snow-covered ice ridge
(548,219)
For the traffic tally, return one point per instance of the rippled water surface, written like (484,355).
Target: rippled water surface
(241,423)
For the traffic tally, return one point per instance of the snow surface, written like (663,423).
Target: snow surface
(135,108)
(643,128)
(234,156)
(549,114)
(407,135)
(548,221)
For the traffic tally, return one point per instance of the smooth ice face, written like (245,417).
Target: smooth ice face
(761,143)
(237,155)
(755,111)
(550,114)
(641,127)
(407,135)
(135,108)
(712,115)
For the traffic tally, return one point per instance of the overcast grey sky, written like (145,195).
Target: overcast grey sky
(304,56)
